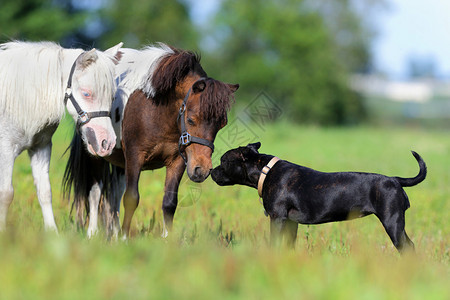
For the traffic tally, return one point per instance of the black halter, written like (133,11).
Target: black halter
(83,116)
(186,139)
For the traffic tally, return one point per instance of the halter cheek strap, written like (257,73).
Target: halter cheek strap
(83,116)
(186,138)
(264,172)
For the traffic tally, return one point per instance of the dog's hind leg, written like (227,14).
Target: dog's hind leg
(395,227)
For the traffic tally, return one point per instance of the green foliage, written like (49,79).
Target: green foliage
(298,52)
(38,20)
(139,23)
(285,49)
(351,26)
(218,249)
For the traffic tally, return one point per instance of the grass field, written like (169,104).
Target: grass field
(219,246)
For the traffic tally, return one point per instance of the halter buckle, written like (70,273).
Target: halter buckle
(185,139)
(182,109)
(83,118)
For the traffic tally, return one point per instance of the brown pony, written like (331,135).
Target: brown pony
(170,120)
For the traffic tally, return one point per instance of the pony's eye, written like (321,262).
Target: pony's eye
(86,94)
(190,122)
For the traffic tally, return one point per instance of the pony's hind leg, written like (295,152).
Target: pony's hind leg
(7,158)
(94,200)
(40,161)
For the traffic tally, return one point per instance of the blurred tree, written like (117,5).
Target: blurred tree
(285,48)
(351,24)
(38,19)
(143,22)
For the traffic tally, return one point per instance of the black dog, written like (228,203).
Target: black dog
(294,194)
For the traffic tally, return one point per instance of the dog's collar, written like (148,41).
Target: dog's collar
(264,172)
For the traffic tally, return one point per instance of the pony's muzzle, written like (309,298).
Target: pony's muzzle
(99,142)
(198,173)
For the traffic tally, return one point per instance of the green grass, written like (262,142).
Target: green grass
(218,248)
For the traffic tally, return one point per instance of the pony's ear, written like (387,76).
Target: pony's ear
(115,53)
(223,123)
(233,87)
(254,146)
(199,86)
(87,58)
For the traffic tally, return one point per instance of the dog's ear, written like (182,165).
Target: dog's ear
(242,157)
(254,146)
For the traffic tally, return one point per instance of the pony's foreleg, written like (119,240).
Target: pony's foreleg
(40,162)
(174,173)
(94,200)
(131,196)
(7,158)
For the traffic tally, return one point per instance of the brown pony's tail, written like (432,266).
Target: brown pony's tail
(419,178)
(82,172)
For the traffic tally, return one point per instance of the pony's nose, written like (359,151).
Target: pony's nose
(198,175)
(198,172)
(105,144)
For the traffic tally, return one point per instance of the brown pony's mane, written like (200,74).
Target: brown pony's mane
(172,69)
(216,98)
(215,101)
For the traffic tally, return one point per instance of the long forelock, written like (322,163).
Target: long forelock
(171,70)
(103,71)
(215,101)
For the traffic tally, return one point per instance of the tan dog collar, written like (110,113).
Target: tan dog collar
(264,172)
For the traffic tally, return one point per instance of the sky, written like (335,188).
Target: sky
(419,28)
(408,28)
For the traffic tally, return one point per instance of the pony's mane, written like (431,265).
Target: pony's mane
(215,101)
(136,68)
(31,82)
(31,88)
(173,68)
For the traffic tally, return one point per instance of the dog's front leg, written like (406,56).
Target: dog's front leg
(276,229)
(290,233)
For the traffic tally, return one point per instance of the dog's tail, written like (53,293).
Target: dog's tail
(419,178)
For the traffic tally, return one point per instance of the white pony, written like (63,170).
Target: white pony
(37,80)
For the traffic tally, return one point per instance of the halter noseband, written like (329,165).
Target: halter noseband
(83,116)
(186,139)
